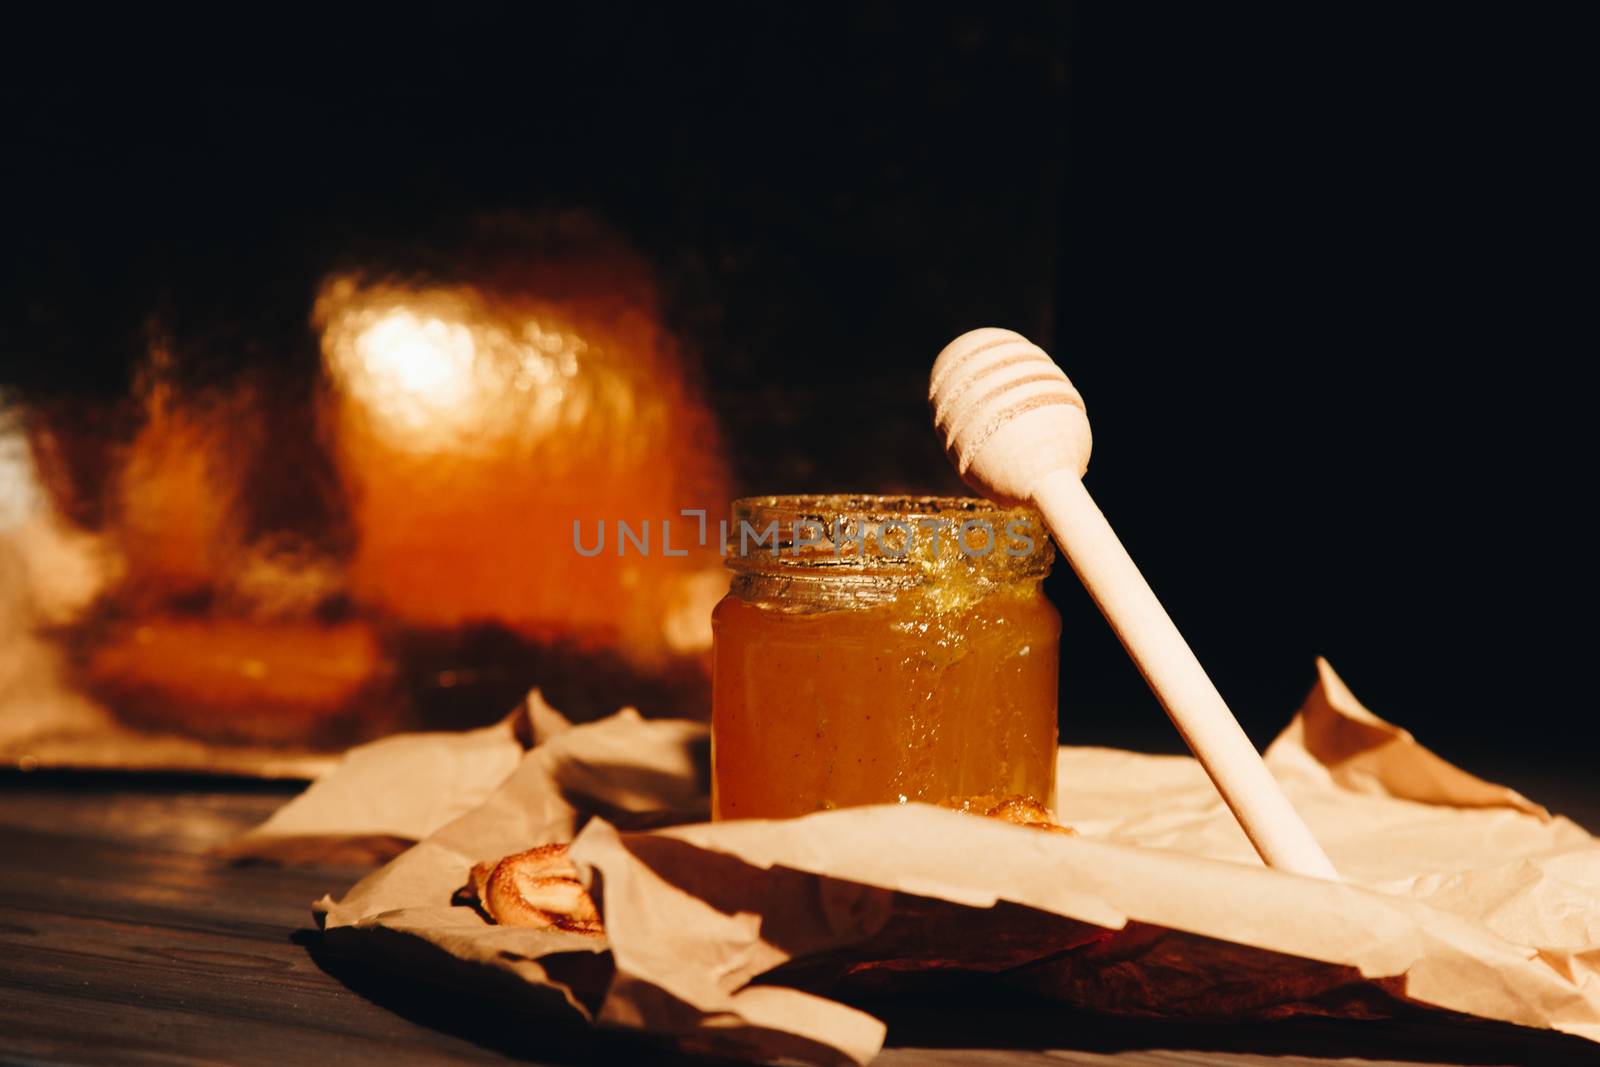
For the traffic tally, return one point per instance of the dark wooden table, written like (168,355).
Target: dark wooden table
(122,941)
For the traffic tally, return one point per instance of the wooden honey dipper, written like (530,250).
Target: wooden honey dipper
(1017,431)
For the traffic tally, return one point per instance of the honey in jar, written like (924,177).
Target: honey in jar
(883,650)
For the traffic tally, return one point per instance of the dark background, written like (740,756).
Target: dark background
(1313,267)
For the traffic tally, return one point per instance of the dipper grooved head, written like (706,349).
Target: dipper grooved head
(1007,414)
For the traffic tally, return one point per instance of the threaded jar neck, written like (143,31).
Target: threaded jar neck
(810,552)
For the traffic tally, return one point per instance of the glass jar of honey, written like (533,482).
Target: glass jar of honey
(883,650)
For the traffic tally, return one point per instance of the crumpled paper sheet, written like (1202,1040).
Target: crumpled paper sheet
(736,937)
(386,795)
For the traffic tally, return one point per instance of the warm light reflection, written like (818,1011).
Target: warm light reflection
(471,428)
(436,369)
(420,371)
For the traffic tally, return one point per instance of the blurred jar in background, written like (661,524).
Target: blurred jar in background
(297,552)
(474,419)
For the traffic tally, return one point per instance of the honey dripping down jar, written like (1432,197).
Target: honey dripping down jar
(878,650)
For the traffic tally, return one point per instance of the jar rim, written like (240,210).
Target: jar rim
(885,542)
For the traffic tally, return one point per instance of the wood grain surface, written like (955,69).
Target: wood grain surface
(123,942)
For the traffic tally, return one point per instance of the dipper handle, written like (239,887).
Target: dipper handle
(1017,430)
(1192,702)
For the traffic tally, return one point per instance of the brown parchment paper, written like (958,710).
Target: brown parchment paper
(386,795)
(742,937)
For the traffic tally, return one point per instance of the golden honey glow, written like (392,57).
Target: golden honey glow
(472,426)
(419,370)
(437,369)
